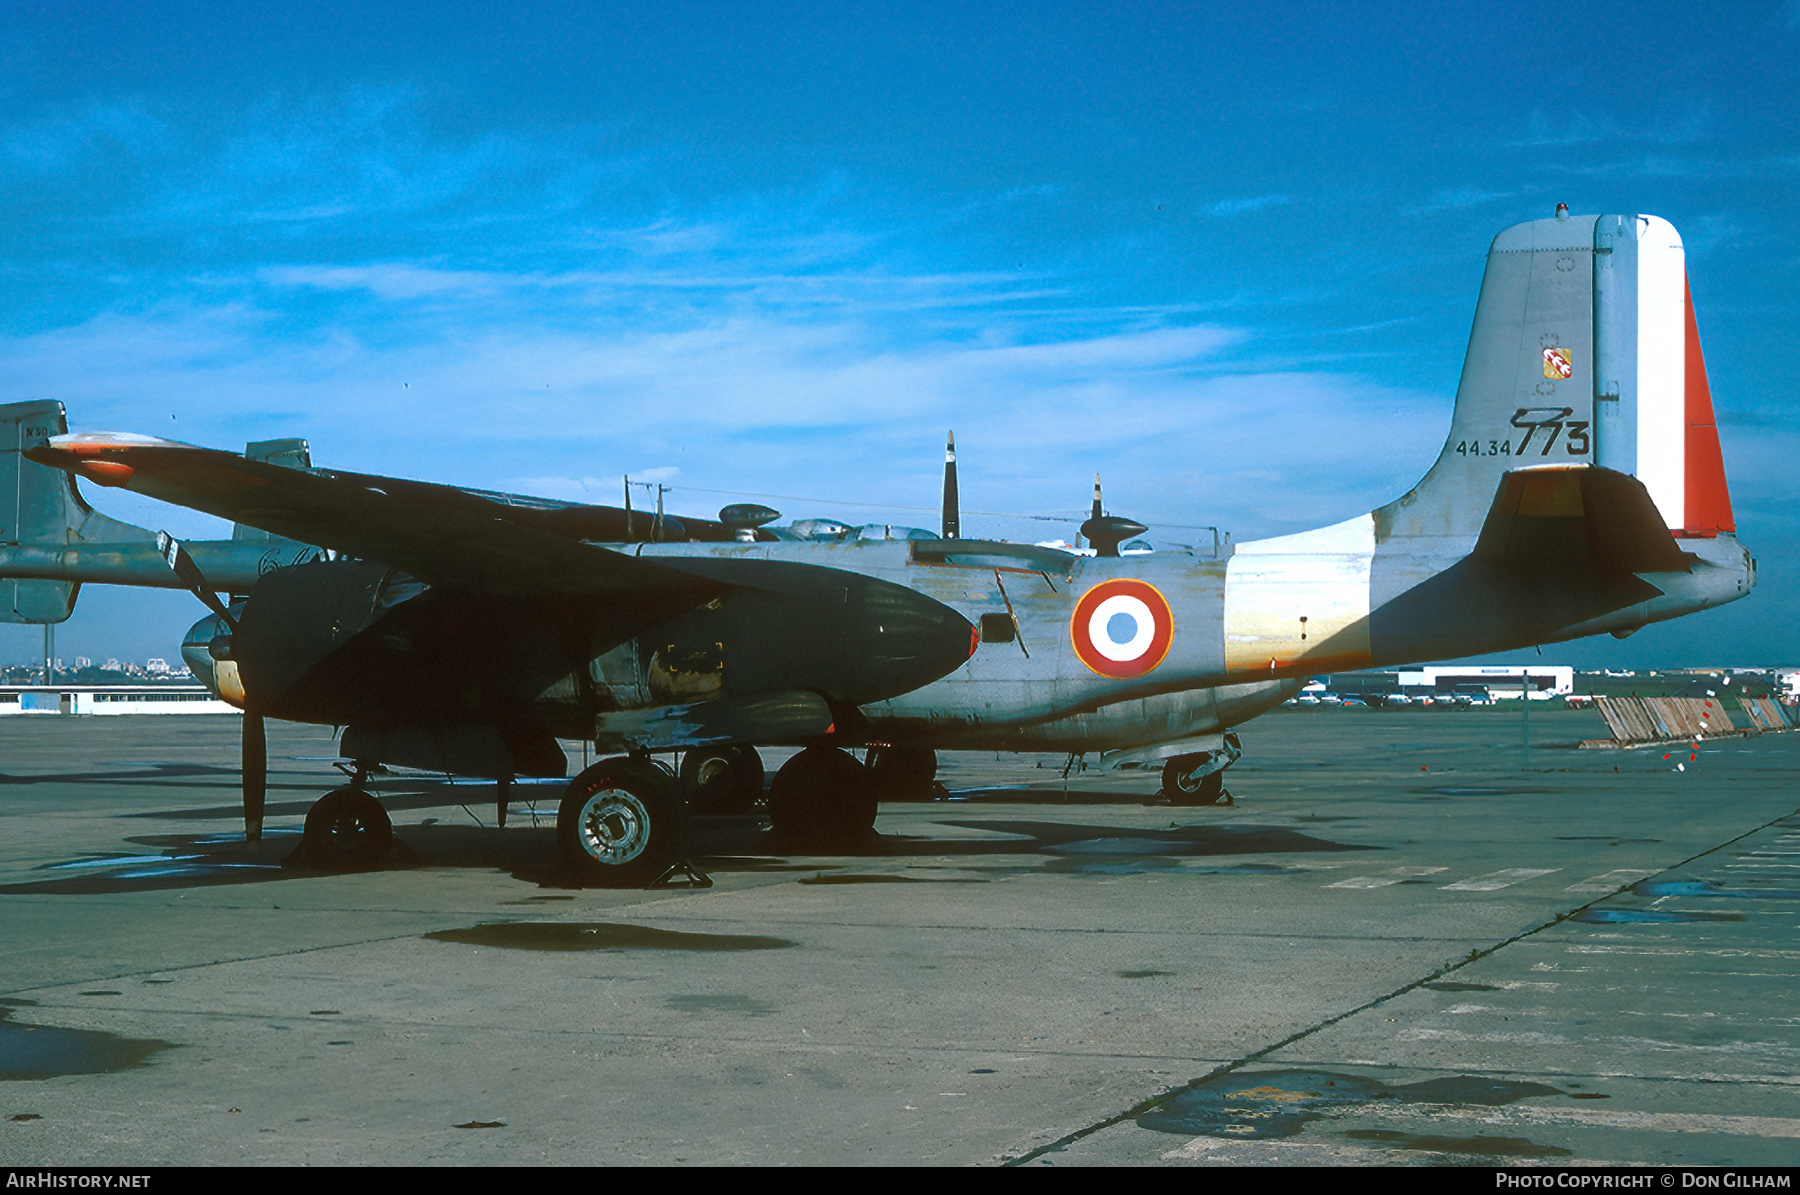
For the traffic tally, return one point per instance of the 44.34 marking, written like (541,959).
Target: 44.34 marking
(1551,422)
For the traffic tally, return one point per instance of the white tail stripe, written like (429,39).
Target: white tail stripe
(1662,367)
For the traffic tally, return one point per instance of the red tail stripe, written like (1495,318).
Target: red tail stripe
(1708,500)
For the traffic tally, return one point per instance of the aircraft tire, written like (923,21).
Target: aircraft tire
(1182,789)
(346,829)
(822,799)
(722,779)
(902,773)
(621,823)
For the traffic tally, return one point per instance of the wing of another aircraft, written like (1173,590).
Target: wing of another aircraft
(440,534)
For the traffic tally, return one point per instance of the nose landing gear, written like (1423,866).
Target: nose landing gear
(347,828)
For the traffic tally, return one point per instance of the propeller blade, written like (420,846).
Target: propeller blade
(952,504)
(255,774)
(190,575)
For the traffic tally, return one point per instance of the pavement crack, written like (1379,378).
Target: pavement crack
(1474,956)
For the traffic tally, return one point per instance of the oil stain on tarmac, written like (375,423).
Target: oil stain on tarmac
(45,1052)
(599,935)
(747,1005)
(1071,841)
(182,863)
(1648,917)
(1656,888)
(1264,1104)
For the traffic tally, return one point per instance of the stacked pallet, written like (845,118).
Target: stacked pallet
(1765,713)
(1639,721)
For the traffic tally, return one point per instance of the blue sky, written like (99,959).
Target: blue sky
(1226,255)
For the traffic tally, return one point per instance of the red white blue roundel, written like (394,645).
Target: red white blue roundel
(1122,628)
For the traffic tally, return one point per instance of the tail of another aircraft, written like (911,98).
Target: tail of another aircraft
(1585,351)
(40,507)
(289,453)
(42,515)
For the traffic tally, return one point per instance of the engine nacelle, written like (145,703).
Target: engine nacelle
(357,644)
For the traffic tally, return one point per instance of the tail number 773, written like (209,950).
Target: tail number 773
(1552,422)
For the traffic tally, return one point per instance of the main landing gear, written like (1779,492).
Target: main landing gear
(347,828)
(722,779)
(622,823)
(823,798)
(903,773)
(1199,779)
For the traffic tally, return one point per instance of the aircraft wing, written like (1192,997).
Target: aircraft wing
(440,534)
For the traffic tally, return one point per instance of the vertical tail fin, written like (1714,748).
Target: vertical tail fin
(1584,350)
(38,505)
(289,453)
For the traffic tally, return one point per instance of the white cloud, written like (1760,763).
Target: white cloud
(831,408)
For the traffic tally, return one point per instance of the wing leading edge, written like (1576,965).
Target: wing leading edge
(440,534)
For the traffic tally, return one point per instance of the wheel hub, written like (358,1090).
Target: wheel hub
(615,826)
(715,773)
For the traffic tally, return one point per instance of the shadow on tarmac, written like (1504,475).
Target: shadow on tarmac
(720,844)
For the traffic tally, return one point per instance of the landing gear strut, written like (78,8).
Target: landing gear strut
(822,799)
(1199,779)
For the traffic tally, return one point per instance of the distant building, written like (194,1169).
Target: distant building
(1501,680)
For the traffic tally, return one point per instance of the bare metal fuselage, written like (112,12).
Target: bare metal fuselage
(1248,629)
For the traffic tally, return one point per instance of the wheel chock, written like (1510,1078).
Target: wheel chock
(681,875)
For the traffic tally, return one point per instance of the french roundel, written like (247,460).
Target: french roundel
(1122,628)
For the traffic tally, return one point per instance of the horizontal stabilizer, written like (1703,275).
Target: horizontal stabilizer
(1563,546)
(1560,517)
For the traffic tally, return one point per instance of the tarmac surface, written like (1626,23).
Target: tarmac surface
(1407,943)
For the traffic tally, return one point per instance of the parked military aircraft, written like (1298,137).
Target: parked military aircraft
(1580,490)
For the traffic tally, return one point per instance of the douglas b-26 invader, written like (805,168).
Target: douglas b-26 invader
(1580,490)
